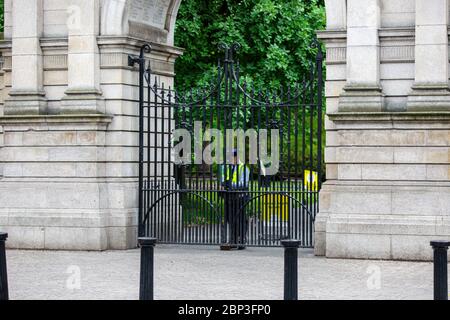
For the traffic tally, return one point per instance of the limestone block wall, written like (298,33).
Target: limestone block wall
(388,189)
(53,184)
(69,140)
(398,13)
(7,27)
(56,14)
(387,130)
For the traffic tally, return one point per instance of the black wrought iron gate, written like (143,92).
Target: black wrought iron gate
(192,195)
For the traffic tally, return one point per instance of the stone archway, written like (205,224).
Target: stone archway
(153,20)
(68,125)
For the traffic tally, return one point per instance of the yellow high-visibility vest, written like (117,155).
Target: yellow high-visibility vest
(235,179)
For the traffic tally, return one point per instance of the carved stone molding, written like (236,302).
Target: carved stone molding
(120,60)
(113,60)
(7,63)
(114,52)
(402,53)
(55,62)
(397,54)
(336,55)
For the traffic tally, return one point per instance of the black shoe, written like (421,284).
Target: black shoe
(242,247)
(227,247)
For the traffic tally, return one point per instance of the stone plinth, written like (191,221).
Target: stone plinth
(388,188)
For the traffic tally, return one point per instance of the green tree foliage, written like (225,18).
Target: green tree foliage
(275,36)
(2,14)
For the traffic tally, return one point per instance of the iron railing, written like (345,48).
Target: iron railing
(186,201)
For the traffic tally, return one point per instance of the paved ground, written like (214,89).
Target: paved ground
(207,273)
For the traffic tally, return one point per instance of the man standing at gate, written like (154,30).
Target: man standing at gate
(235,181)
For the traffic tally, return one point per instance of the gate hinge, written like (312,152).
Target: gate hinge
(133,60)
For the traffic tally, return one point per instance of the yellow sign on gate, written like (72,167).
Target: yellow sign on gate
(311,180)
(275,204)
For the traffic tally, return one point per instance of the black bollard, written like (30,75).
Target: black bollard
(146,275)
(440,269)
(290,269)
(4,295)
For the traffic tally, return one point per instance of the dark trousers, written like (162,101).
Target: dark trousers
(235,217)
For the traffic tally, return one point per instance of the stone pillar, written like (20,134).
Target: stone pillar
(336,11)
(431,88)
(27,95)
(83,94)
(387,193)
(68,172)
(363,90)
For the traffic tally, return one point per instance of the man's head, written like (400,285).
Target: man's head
(235,156)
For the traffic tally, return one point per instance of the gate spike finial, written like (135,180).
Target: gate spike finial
(236,46)
(222,46)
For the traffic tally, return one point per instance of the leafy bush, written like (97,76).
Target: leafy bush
(276,52)
(2,14)
(275,36)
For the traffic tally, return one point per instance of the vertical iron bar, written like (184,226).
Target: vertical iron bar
(178,112)
(220,218)
(146,205)
(235,108)
(206,195)
(305,193)
(149,134)
(263,217)
(288,213)
(195,169)
(299,211)
(440,269)
(169,166)
(269,204)
(131,62)
(311,193)
(280,196)
(319,127)
(183,195)
(141,139)
(192,228)
(225,156)
(212,185)
(256,217)
(319,111)
(165,211)
(157,212)
(247,207)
